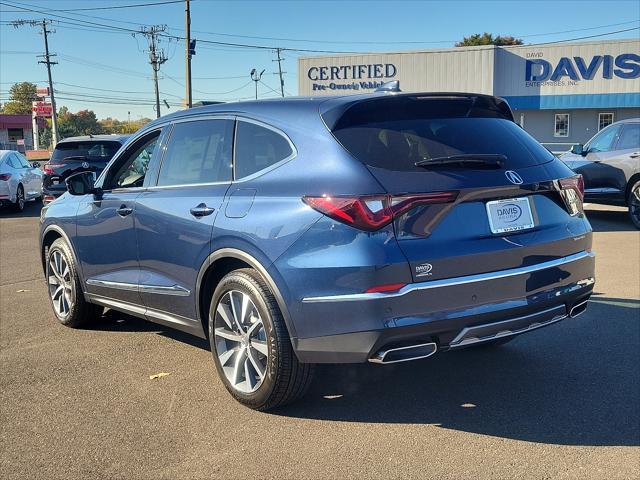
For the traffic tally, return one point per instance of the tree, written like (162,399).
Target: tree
(488,39)
(71,124)
(20,97)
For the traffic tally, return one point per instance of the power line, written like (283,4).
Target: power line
(156,57)
(111,7)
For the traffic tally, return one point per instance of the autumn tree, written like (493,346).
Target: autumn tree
(21,96)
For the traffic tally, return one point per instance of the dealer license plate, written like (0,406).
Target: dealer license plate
(510,215)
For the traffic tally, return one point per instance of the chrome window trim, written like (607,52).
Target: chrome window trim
(449,282)
(175,290)
(259,173)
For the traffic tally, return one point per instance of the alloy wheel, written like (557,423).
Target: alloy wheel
(60,283)
(20,198)
(241,341)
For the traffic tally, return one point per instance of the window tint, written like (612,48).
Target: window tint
(630,137)
(604,141)
(131,170)
(198,152)
(397,144)
(13,161)
(258,148)
(93,150)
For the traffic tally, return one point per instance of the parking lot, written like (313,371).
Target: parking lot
(561,402)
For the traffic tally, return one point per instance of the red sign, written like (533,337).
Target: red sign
(42,91)
(42,109)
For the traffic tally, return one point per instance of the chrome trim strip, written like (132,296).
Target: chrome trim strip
(379,357)
(577,306)
(506,333)
(175,290)
(449,282)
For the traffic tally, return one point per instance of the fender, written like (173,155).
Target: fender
(63,234)
(245,257)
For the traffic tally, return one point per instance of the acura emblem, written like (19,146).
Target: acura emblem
(86,165)
(513,177)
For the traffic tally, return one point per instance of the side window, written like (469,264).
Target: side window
(13,161)
(604,141)
(131,170)
(630,137)
(198,152)
(22,160)
(258,148)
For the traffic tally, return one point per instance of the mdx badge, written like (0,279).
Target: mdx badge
(513,177)
(424,270)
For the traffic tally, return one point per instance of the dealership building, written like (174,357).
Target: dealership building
(560,93)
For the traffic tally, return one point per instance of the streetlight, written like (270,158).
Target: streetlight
(256,78)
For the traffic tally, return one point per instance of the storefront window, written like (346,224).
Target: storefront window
(15,134)
(561,125)
(604,120)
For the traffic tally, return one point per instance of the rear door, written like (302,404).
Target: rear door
(502,216)
(32,177)
(175,216)
(601,171)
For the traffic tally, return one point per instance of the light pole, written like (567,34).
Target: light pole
(256,78)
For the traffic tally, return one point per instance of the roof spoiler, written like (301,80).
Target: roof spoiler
(392,86)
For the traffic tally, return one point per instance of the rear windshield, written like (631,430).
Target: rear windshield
(394,134)
(97,151)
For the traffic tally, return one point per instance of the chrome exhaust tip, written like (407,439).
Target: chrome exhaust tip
(578,308)
(404,354)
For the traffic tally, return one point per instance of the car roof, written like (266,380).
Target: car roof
(97,138)
(627,120)
(296,109)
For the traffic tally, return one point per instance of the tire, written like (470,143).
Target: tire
(18,206)
(65,290)
(263,347)
(633,202)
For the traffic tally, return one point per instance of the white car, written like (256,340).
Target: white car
(20,181)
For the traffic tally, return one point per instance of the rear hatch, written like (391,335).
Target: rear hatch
(502,206)
(73,157)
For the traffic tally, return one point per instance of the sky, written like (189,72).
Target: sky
(104,67)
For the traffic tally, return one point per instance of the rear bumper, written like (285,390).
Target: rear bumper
(452,313)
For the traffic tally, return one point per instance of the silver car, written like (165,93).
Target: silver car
(20,181)
(610,166)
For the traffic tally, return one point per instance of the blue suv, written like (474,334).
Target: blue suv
(381,227)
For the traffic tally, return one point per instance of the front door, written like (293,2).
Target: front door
(106,239)
(175,217)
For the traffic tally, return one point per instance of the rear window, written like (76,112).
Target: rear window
(395,133)
(97,151)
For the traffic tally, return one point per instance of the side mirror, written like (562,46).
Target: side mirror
(82,183)
(35,164)
(578,149)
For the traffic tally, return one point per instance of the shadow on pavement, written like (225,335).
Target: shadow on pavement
(31,209)
(610,220)
(574,383)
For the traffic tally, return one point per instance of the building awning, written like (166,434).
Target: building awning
(15,121)
(557,102)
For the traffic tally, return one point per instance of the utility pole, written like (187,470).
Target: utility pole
(255,76)
(156,57)
(187,31)
(48,62)
(280,72)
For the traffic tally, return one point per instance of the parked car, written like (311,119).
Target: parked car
(77,154)
(377,227)
(20,181)
(610,166)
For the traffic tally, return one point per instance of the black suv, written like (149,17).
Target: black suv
(77,154)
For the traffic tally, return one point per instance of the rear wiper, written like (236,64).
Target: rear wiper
(484,159)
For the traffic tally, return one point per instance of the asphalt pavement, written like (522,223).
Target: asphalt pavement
(560,402)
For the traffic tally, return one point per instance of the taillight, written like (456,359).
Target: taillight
(5,176)
(572,192)
(372,212)
(48,167)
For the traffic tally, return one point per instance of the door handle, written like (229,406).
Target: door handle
(202,210)
(635,155)
(123,211)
